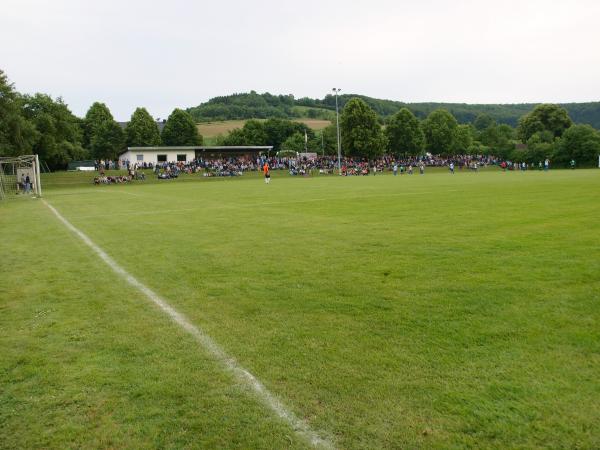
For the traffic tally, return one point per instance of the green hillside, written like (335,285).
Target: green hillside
(262,106)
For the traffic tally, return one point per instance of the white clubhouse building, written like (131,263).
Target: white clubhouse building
(165,154)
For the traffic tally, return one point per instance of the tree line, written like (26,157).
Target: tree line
(262,106)
(45,126)
(546,132)
(39,124)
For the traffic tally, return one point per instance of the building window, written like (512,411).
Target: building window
(140,157)
(181,158)
(161,158)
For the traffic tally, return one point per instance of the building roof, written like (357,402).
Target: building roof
(203,148)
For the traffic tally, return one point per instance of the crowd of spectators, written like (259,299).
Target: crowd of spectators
(236,166)
(540,165)
(357,166)
(120,179)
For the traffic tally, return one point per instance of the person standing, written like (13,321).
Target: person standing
(546,165)
(395,169)
(267,173)
(572,163)
(452,168)
(410,169)
(422,168)
(27,184)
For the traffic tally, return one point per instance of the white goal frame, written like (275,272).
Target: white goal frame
(12,169)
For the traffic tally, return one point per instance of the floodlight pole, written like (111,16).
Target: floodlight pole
(337,118)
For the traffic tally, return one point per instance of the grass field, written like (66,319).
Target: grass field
(388,312)
(222,128)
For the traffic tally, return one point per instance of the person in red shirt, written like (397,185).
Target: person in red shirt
(266,172)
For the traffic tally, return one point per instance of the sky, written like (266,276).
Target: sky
(176,53)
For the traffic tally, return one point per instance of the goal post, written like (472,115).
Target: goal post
(20,175)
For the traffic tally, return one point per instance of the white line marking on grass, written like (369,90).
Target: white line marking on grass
(243,376)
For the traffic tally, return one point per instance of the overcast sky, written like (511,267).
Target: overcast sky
(177,53)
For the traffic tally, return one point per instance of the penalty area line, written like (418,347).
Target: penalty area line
(241,375)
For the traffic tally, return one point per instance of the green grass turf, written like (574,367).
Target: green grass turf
(415,312)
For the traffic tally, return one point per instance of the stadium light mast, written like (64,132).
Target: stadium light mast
(337,118)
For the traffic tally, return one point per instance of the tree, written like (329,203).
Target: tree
(579,142)
(102,135)
(540,145)
(235,137)
(58,131)
(273,132)
(95,116)
(546,117)
(404,134)
(279,130)
(537,150)
(253,105)
(440,131)
(330,139)
(360,129)
(299,142)
(499,138)
(496,135)
(295,143)
(483,121)
(108,140)
(142,131)
(463,139)
(17,135)
(254,132)
(181,129)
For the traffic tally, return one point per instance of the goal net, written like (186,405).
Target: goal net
(20,175)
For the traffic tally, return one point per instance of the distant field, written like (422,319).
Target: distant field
(437,311)
(213,129)
(315,124)
(304,111)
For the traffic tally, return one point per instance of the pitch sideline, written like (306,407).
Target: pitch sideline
(242,376)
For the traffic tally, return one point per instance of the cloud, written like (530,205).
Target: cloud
(178,53)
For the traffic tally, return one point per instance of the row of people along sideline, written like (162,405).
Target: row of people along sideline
(236,166)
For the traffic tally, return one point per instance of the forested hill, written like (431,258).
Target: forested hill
(254,105)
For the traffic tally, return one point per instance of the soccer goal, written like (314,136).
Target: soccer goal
(20,175)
